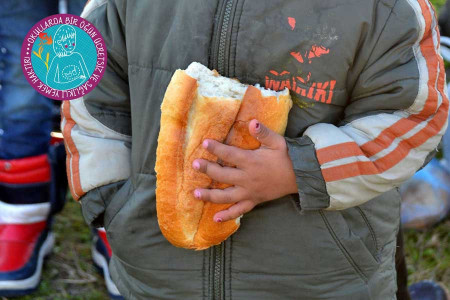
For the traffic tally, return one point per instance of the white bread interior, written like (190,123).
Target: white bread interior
(211,84)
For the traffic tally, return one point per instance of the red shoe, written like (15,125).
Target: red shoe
(24,243)
(25,238)
(101,254)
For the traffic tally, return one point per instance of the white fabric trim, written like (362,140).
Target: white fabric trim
(437,46)
(367,128)
(333,134)
(344,161)
(422,94)
(23,213)
(91,6)
(104,157)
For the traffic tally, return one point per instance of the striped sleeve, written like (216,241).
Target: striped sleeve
(97,127)
(378,150)
(96,154)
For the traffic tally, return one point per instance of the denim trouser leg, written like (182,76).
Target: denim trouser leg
(25,115)
(76,6)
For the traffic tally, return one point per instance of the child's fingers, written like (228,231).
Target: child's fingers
(228,195)
(226,153)
(234,211)
(217,172)
(265,136)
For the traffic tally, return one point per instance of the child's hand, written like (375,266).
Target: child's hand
(260,175)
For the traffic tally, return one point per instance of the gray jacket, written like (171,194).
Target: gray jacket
(369,107)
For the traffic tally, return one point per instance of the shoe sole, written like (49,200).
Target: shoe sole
(10,288)
(101,263)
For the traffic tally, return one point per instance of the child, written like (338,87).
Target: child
(321,208)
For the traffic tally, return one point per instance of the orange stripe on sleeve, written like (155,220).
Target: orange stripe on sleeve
(73,157)
(394,157)
(338,151)
(428,50)
(403,126)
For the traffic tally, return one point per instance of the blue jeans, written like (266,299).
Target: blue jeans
(25,115)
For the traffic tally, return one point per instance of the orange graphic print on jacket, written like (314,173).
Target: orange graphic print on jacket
(301,85)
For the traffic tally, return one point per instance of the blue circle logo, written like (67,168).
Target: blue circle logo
(63,57)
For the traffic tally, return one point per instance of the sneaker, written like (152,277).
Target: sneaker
(101,254)
(25,241)
(428,290)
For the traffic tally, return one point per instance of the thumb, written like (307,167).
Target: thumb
(264,135)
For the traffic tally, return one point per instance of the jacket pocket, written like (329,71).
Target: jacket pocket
(116,202)
(96,202)
(351,245)
(135,237)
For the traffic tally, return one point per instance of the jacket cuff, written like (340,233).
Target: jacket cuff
(312,190)
(95,202)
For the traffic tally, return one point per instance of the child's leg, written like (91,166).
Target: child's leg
(25,166)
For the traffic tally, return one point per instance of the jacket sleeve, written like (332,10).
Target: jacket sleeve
(97,127)
(395,117)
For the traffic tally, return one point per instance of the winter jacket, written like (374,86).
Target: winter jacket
(367,84)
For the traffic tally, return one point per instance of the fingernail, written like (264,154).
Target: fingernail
(205,144)
(218,220)
(197,194)
(196,165)
(257,126)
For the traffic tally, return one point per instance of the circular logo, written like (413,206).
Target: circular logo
(63,57)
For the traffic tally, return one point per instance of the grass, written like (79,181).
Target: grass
(428,254)
(438,4)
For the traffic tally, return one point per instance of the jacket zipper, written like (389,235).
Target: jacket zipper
(218,251)
(223,38)
(218,290)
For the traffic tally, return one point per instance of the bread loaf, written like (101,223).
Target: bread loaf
(200,104)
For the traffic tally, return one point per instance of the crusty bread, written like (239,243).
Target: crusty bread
(200,104)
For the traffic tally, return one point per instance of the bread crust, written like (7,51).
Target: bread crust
(186,120)
(182,109)
(212,119)
(174,111)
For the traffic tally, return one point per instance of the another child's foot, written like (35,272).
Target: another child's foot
(23,247)
(101,254)
(428,290)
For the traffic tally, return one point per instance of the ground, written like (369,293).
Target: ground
(69,274)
